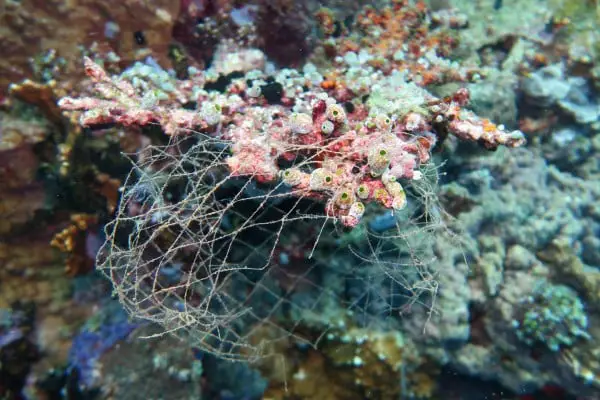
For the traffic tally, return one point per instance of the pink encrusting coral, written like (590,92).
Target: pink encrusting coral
(348,134)
(120,104)
(345,155)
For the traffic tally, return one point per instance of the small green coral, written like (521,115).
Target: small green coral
(553,315)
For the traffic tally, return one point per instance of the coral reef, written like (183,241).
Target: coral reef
(107,327)
(552,315)
(22,195)
(136,368)
(556,97)
(31,29)
(353,364)
(306,187)
(17,349)
(507,236)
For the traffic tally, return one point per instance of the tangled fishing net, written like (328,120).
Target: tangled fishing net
(216,258)
(286,216)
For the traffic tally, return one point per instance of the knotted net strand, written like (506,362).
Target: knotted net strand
(215,258)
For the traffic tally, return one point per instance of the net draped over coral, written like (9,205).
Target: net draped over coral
(217,259)
(232,226)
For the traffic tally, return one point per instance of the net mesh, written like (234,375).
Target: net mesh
(216,258)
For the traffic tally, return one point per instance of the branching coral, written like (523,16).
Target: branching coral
(342,158)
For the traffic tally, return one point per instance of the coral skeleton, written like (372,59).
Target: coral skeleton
(334,153)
